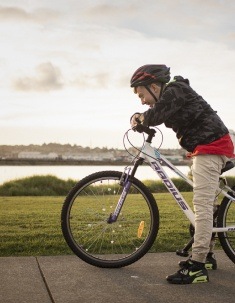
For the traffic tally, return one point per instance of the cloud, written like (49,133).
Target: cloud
(48,77)
(178,20)
(99,80)
(16,14)
(13,13)
(111,11)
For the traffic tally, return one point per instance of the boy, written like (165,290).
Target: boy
(202,133)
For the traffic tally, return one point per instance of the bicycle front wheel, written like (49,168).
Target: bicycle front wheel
(226,218)
(85,214)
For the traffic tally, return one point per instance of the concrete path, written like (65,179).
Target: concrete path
(67,279)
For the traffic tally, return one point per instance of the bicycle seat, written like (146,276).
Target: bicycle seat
(227,167)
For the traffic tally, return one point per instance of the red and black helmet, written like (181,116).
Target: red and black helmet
(150,73)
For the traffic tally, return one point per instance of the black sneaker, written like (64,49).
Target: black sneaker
(210,262)
(191,272)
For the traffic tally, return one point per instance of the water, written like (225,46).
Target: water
(8,173)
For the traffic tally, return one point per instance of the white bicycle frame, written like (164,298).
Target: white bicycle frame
(153,157)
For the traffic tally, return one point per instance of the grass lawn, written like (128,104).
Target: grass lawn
(30,226)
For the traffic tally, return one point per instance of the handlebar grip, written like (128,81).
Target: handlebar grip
(140,128)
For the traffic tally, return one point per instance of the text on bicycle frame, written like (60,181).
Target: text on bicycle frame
(169,185)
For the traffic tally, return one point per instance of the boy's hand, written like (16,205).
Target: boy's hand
(137,118)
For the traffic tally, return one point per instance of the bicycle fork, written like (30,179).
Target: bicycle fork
(126,182)
(113,216)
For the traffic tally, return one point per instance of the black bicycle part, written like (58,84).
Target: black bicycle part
(184,252)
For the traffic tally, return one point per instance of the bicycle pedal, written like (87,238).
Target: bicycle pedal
(182,253)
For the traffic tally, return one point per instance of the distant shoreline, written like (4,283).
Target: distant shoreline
(60,162)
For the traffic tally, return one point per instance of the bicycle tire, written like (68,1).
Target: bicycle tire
(86,210)
(226,217)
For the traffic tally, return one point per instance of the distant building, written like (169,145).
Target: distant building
(37,155)
(97,156)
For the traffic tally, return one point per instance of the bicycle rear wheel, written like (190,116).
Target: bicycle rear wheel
(84,217)
(226,217)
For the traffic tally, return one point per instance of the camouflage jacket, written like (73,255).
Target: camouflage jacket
(187,113)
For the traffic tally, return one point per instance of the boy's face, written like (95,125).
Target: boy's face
(144,95)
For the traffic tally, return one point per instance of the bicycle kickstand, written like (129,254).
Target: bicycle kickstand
(184,252)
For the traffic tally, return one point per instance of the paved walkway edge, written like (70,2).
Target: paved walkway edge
(67,279)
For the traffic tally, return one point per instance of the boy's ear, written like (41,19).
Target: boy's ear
(154,86)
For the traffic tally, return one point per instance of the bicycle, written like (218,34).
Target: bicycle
(110,219)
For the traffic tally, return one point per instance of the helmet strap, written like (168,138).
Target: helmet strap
(162,86)
(152,94)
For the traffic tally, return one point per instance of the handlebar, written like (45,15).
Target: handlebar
(140,128)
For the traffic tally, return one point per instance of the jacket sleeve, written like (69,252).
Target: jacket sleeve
(170,102)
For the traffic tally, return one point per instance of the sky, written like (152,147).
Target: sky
(65,65)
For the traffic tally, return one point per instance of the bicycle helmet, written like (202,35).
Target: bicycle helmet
(150,73)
